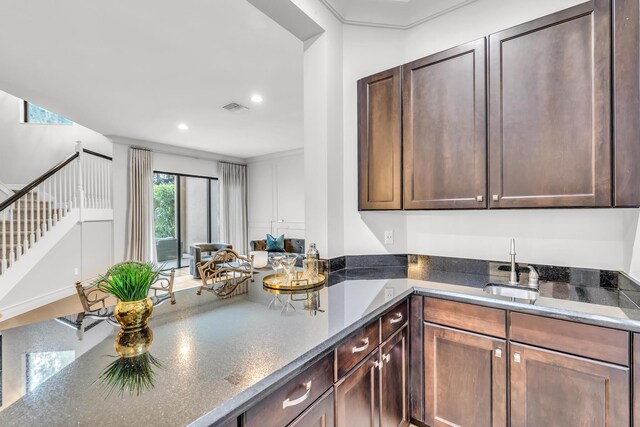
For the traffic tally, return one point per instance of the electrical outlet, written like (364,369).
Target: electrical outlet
(75,271)
(388,237)
(388,294)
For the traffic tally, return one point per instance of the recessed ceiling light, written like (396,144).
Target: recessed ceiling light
(183,126)
(256,98)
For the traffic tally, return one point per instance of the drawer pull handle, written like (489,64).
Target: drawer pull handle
(288,402)
(365,341)
(396,319)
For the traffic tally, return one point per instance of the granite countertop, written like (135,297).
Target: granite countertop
(217,356)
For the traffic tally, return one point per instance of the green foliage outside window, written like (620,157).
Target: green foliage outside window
(164,196)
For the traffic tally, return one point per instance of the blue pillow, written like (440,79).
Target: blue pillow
(275,244)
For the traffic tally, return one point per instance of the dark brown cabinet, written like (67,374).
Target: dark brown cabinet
(380,141)
(375,392)
(550,110)
(465,378)
(549,388)
(320,414)
(626,102)
(444,129)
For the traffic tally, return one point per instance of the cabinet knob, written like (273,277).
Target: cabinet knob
(495,198)
(479,198)
(386,358)
(498,352)
(516,357)
(378,364)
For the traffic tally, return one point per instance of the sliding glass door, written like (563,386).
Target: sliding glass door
(186,213)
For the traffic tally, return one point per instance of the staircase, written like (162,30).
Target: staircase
(81,181)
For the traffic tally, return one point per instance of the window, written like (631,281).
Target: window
(38,115)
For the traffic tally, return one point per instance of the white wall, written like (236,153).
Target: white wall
(29,150)
(598,238)
(276,191)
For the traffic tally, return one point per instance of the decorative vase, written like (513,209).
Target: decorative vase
(132,344)
(133,315)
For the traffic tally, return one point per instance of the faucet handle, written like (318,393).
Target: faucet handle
(534,279)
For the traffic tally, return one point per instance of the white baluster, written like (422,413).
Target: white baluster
(32,232)
(12,254)
(40,226)
(74,184)
(94,179)
(109,183)
(49,206)
(25,213)
(60,195)
(103,179)
(3,261)
(18,244)
(80,176)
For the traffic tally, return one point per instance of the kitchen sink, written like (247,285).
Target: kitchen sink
(517,292)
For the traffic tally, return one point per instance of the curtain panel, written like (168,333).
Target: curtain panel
(232,180)
(141,245)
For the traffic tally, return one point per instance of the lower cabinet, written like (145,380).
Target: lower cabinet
(320,414)
(555,389)
(375,392)
(465,378)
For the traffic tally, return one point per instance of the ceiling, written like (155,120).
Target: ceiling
(400,14)
(137,69)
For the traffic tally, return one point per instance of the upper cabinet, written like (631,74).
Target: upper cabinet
(550,118)
(542,115)
(380,141)
(626,102)
(444,129)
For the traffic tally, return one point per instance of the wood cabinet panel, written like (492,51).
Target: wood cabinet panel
(416,359)
(465,378)
(287,402)
(393,381)
(358,396)
(354,348)
(393,320)
(594,342)
(444,129)
(626,102)
(320,414)
(550,110)
(380,141)
(474,318)
(549,388)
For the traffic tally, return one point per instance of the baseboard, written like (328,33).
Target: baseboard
(33,303)
(418,423)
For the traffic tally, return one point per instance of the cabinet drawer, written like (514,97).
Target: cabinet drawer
(594,342)
(356,347)
(394,319)
(284,404)
(469,317)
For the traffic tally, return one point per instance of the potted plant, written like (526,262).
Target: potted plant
(130,283)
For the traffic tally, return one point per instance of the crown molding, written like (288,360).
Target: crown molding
(158,147)
(345,21)
(288,153)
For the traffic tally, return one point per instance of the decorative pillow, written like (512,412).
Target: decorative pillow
(275,244)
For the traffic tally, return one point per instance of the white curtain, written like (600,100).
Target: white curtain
(232,180)
(141,244)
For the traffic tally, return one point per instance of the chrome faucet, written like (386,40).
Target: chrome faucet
(513,276)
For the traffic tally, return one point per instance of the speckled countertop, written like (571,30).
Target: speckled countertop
(219,356)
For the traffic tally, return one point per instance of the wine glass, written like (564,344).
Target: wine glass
(276,264)
(289,265)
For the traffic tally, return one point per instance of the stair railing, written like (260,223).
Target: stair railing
(82,180)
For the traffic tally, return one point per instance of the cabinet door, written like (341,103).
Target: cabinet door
(550,112)
(465,378)
(393,381)
(626,102)
(380,141)
(357,395)
(320,414)
(554,389)
(444,128)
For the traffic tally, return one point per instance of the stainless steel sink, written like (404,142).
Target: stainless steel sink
(517,292)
